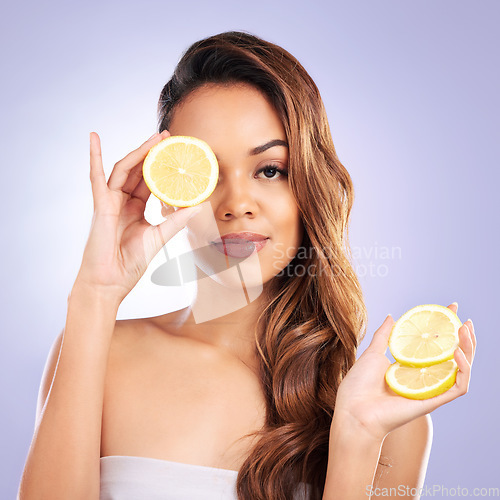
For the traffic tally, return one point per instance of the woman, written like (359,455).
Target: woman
(253,391)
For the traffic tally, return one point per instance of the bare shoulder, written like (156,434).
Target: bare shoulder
(134,341)
(405,455)
(173,398)
(128,333)
(125,331)
(144,342)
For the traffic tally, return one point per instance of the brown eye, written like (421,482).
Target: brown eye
(270,172)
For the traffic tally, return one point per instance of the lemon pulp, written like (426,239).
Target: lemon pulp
(425,335)
(181,171)
(421,383)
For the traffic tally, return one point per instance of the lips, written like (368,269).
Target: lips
(240,245)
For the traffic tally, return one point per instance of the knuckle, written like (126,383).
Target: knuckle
(137,173)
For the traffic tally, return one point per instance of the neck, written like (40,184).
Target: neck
(222,316)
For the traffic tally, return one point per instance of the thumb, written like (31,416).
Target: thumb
(159,235)
(380,338)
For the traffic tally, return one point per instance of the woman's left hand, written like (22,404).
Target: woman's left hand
(364,395)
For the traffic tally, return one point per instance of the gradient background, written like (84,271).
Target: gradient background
(411,91)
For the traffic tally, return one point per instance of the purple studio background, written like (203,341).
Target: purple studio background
(411,91)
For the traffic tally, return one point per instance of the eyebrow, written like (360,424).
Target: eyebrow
(264,147)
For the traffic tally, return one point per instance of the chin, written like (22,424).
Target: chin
(247,271)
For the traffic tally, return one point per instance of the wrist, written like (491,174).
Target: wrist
(94,295)
(345,427)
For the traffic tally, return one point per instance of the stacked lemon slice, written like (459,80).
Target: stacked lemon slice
(422,342)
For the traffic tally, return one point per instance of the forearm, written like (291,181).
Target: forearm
(64,457)
(352,462)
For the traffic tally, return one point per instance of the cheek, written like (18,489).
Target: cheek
(290,223)
(289,229)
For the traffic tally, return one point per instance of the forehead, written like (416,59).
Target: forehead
(237,112)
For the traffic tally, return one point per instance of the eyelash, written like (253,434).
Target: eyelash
(283,172)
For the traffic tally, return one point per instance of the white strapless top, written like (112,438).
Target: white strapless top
(140,478)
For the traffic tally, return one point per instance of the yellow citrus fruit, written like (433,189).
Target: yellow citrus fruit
(425,335)
(181,171)
(421,383)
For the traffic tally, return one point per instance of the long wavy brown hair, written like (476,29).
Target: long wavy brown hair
(315,318)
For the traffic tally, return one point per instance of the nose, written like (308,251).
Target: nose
(235,196)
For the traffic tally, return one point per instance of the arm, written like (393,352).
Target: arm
(408,449)
(370,420)
(353,471)
(64,456)
(352,459)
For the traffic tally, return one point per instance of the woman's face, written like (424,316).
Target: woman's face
(246,135)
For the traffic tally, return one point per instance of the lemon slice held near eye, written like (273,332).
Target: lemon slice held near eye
(425,335)
(181,171)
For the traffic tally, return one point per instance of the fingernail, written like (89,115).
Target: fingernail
(153,136)
(456,303)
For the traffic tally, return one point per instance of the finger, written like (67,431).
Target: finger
(465,342)
(122,169)
(453,307)
(459,388)
(463,374)
(97,176)
(133,179)
(473,336)
(157,236)
(380,338)
(141,191)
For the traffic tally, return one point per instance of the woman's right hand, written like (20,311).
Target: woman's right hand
(122,243)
